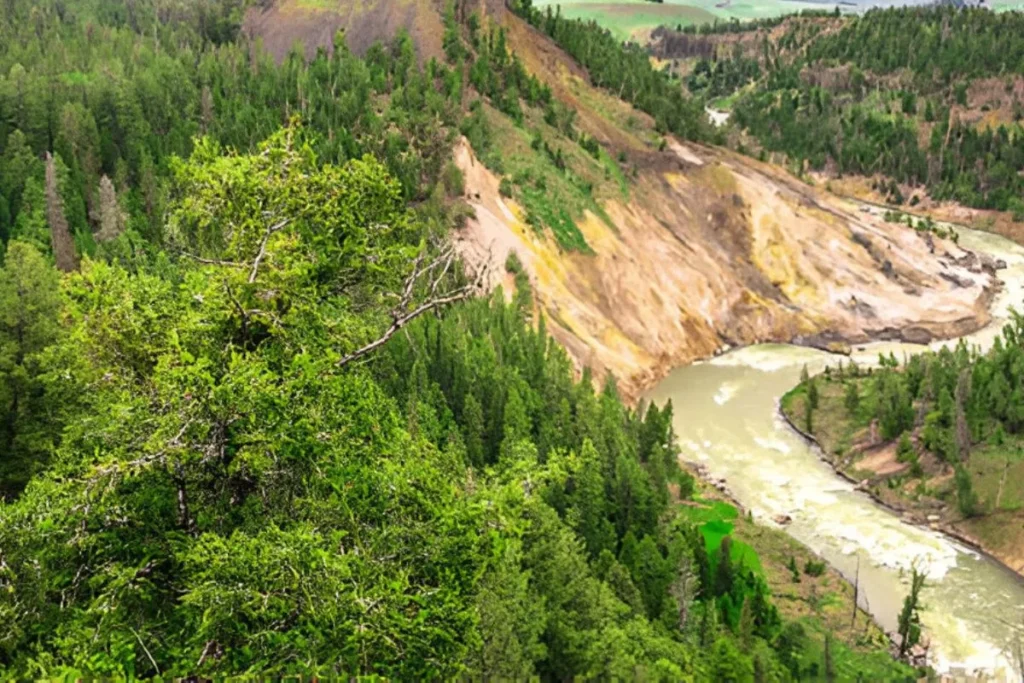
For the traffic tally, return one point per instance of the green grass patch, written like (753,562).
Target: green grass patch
(555,195)
(997,473)
(850,664)
(626,19)
(715,520)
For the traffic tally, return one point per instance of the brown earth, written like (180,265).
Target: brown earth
(282,24)
(721,251)
(711,249)
(859,187)
(881,462)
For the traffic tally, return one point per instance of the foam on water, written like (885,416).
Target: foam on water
(725,392)
(771,444)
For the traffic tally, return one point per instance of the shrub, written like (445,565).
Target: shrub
(513,264)
(505,187)
(814,567)
(453,179)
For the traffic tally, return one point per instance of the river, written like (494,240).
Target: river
(726,418)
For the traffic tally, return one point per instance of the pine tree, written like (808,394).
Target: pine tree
(725,574)
(29,308)
(107,213)
(851,398)
(909,622)
(473,430)
(963,432)
(589,503)
(684,589)
(746,627)
(62,243)
(965,497)
(812,395)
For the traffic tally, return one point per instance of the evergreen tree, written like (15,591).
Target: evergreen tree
(851,398)
(60,234)
(725,574)
(589,503)
(909,622)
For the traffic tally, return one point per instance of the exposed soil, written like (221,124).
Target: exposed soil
(719,251)
(314,24)
(881,462)
(859,187)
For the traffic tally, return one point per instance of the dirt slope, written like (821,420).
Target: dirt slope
(720,252)
(280,24)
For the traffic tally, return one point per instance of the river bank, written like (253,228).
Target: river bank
(823,600)
(906,512)
(726,420)
(923,496)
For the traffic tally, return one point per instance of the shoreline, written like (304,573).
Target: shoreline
(634,387)
(943,528)
(716,488)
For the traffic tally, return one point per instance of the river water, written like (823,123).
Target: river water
(726,418)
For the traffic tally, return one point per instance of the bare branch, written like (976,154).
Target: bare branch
(402,317)
(458,295)
(206,651)
(409,284)
(263,247)
(146,650)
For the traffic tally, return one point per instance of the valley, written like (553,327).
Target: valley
(445,339)
(733,430)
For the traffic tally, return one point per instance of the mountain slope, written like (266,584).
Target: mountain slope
(314,23)
(648,253)
(711,249)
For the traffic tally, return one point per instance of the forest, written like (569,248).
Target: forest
(257,421)
(885,93)
(952,422)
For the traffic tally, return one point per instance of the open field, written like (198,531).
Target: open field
(631,21)
(634,19)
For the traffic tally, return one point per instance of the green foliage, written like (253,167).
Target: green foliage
(813,397)
(174,81)
(905,449)
(966,500)
(909,621)
(814,567)
(30,417)
(851,398)
(946,403)
(505,187)
(622,68)
(235,445)
(852,124)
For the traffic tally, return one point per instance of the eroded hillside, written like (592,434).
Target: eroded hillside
(722,252)
(675,251)
(711,249)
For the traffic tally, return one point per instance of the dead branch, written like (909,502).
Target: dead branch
(401,316)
